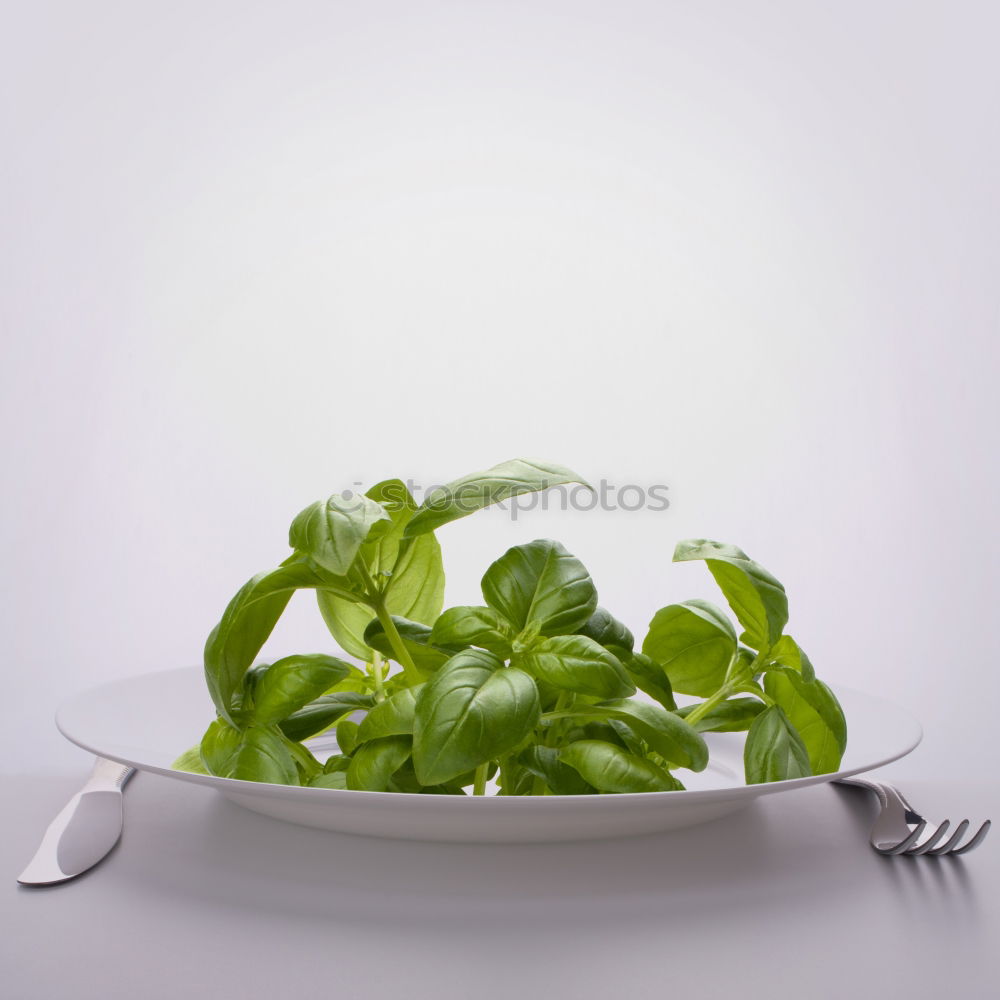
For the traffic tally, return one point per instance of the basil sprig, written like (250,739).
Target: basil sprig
(795,724)
(537,687)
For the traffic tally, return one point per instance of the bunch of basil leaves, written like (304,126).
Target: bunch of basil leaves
(536,688)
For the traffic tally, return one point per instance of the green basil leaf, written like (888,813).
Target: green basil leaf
(473,626)
(788,653)
(381,550)
(332,531)
(243,700)
(758,600)
(416,637)
(468,777)
(542,587)
(347,735)
(471,711)
(373,765)
(515,780)
(815,713)
(392,717)
(305,763)
(646,674)
(263,756)
(666,733)
(395,682)
(322,713)
(337,762)
(246,623)
(543,762)
(404,779)
(743,672)
(694,643)
(332,779)
(774,751)
(576,663)
(416,588)
(655,758)
(412,568)
(629,739)
(607,631)
(219,748)
(732,716)
(522,781)
(191,761)
(610,769)
(347,620)
(357,680)
(595,729)
(464,496)
(294,681)
(249,619)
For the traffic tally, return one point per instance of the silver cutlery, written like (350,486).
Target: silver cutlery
(84,832)
(899,828)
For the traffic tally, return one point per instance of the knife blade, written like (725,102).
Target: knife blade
(83,833)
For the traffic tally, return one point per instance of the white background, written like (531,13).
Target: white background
(254,252)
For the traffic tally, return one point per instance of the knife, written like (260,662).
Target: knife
(85,831)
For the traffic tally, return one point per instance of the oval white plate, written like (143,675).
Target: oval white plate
(148,721)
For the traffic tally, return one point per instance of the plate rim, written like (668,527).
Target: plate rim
(689,796)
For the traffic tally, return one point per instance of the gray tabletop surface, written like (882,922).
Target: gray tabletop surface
(202,898)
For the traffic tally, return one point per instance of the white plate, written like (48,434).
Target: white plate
(148,721)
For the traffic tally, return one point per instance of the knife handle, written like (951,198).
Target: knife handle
(108,775)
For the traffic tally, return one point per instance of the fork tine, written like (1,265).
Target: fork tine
(904,844)
(923,848)
(949,845)
(976,840)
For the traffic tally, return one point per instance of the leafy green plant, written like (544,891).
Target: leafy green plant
(538,687)
(795,724)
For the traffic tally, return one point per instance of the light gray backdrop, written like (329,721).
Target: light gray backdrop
(254,252)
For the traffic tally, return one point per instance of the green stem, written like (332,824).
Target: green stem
(396,642)
(372,590)
(347,595)
(479,785)
(558,711)
(551,731)
(377,674)
(506,783)
(376,600)
(724,692)
(700,711)
(735,683)
(758,662)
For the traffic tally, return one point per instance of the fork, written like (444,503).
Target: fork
(899,826)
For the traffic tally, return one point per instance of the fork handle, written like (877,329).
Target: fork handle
(872,786)
(888,795)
